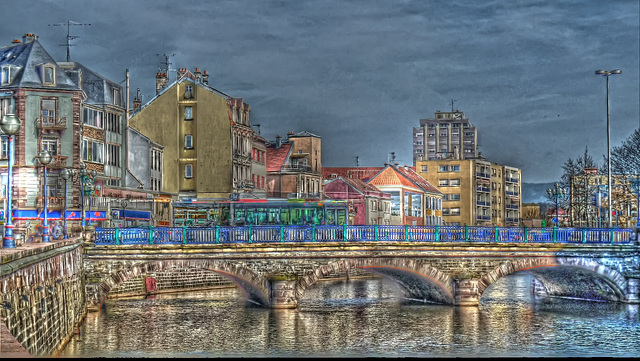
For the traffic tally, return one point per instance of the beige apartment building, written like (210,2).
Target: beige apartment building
(476,192)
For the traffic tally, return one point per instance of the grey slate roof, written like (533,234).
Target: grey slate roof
(99,90)
(26,60)
(304,133)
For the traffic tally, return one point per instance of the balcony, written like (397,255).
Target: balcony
(513,220)
(512,180)
(512,206)
(58,161)
(52,202)
(56,123)
(484,218)
(484,189)
(297,168)
(483,175)
(483,203)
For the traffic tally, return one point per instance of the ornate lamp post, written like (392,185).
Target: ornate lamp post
(44,157)
(608,73)
(66,174)
(85,177)
(557,192)
(10,125)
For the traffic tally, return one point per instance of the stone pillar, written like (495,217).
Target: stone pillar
(633,290)
(467,292)
(282,294)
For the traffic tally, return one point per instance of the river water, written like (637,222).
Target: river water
(358,317)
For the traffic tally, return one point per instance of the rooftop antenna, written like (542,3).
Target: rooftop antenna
(357,161)
(393,157)
(69,36)
(452,100)
(257,125)
(167,63)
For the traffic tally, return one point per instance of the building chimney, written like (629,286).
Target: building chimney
(205,78)
(137,101)
(289,135)
(181,72)
(161,82)
(16,41)
(198,75)
(278,141)
(27,38)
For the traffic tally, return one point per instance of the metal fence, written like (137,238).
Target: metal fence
(330,233)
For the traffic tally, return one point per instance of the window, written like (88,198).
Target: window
(93,118)
(455,211)
(188,141)
(113,152)
(48,107)
(424,168)
(443,168)
(116,96)
(188,113)
(4,147)
(92,151)
(454,182)
(50,144)
(454,197)
(188,171)
(455,168)
(188,91)
(6,75)
(395,203)
(49,76)
(443,183)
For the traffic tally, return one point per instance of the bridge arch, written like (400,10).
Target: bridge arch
(417,280)
(616,281)
(252,284)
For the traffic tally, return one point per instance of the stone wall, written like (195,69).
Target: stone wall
(43,298)
(172,280)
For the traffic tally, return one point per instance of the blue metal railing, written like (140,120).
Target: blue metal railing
(331,233)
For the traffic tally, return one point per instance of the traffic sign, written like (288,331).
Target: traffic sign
(554,220)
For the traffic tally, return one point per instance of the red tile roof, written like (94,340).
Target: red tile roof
(362,186)
(277,157)
(410,173)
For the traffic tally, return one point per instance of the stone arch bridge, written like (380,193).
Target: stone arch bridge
(277,276)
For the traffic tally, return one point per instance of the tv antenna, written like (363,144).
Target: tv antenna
(357,161)
(69,36)
(166,63)
(393,157)
(452,100)
(258,126)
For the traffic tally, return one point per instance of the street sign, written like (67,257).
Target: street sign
(554,220)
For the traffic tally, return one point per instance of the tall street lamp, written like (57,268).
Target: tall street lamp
(557,192)
(66,174)
(86,177)
(44,157)
(10,125)
(608,73)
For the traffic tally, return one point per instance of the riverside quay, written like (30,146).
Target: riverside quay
(274,265)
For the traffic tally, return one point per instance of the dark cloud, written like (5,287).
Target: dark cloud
(362,73)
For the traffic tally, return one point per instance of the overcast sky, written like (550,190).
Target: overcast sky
(361,74)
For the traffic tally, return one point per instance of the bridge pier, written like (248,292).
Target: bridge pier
(467,292)
(282,294)
(633,290)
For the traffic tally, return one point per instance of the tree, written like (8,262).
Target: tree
(578,208)
(625,159)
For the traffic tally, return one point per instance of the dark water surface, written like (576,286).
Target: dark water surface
(358,318)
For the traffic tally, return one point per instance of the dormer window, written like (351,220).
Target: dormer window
(6,75)
(116,96)
(188,91)
(49,75)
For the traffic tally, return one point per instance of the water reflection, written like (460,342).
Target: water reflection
(360,317)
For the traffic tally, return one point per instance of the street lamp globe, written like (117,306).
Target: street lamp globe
(66,174)
(10,124)
(44,157)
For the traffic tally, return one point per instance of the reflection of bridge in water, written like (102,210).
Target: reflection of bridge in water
(274,265)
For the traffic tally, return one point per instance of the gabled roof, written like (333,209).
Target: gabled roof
(187,77)
(276,157)
(26,61)
(392,175)
(361,186)
(304,133)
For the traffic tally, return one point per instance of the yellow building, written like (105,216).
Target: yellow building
(206,135)
(476,192)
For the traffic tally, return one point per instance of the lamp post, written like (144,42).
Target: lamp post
(10,125)
(124,204)
(66,174)
(608,73)
(86,177)
(635,186)
(557,192)
(44,157)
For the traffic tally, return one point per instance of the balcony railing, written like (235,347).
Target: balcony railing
(513,180)
(52,202)
(512,206)
(52,122)
(484,189)
(297,167)
(483,175)
(485,218)
(510,193)
(483,203)
(58,161)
